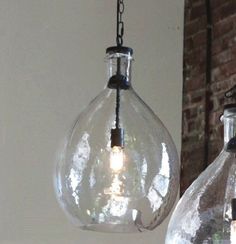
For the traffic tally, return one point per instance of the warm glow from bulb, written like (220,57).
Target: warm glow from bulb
(117,159)
(116,188)
(233,232)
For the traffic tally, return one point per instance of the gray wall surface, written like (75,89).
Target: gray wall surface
(51,65)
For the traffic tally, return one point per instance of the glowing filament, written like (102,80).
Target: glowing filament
(117,159)
(116,165)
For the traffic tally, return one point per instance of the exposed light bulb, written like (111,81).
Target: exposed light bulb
(119,171)
(117,159)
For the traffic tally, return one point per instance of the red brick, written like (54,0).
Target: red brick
(222,58)
(225,11)
(188,44)
(223,43)
(197,98)
(195,26)
(198,11)
(195,84)
(229,68)
(217,3)
(199,39)
(220,86)
(233,51)
(190,113)
(215,118)
(222,28)
(215,74)
(194,87)
(196,56)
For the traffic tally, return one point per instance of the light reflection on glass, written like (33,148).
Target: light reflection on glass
(116,187)
(165,166)
(143,175)
(74,182)
(161,182)
(155,199)
(92,180)
(233,232)
(116,206)
(80,158)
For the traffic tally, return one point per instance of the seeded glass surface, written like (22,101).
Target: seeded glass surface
(204,214)
(130,189)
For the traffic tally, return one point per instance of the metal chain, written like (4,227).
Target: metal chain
(120,23)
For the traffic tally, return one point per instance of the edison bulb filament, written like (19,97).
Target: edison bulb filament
(117,159)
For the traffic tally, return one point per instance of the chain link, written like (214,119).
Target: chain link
(120,23)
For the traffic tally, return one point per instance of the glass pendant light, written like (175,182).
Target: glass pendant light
(119,171)
(206,212)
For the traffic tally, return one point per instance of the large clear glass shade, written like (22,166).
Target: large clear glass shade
(129,189)
(204,214)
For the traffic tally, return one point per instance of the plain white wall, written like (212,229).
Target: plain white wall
(51,66)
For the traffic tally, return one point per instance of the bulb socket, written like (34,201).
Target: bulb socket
(117,137)
(233,205)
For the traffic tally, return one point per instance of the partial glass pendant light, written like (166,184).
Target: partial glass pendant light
(120,169)
(206,212)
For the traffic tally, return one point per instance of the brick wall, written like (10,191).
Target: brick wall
(223,76)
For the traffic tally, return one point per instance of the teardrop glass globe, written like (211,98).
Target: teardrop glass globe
(121,188)
(204,213)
